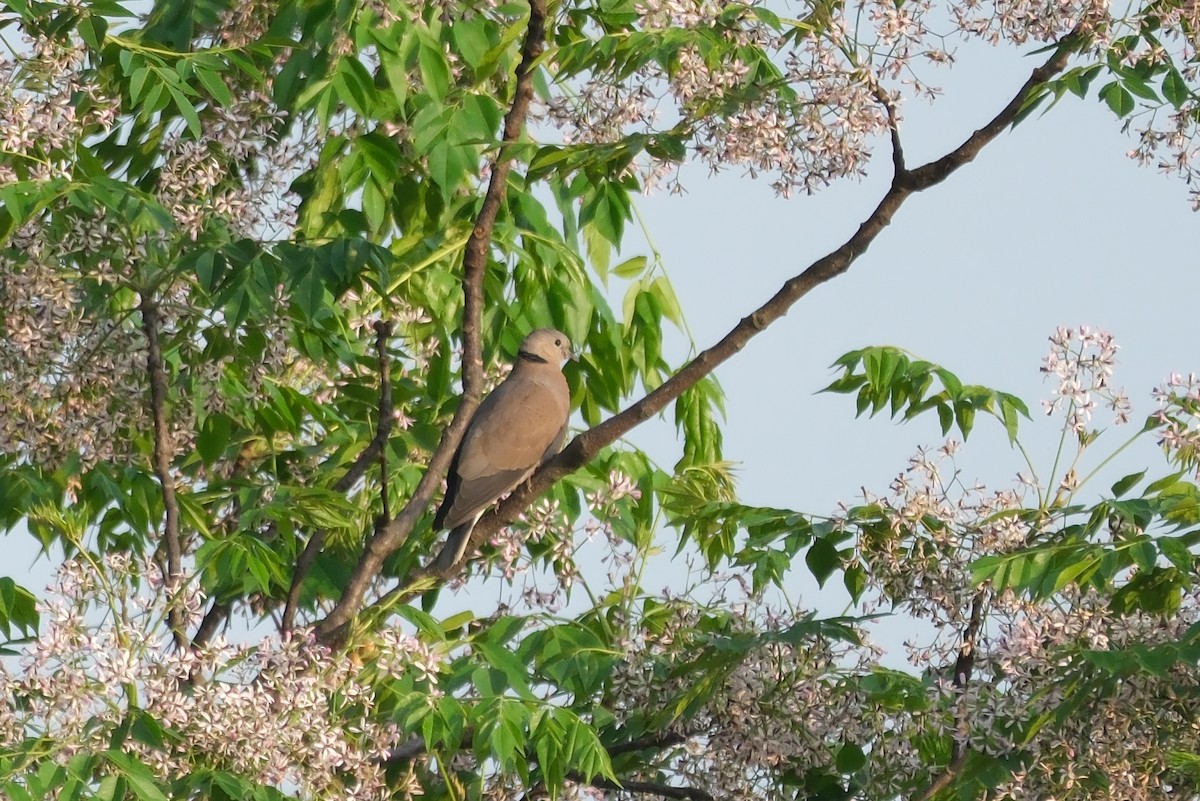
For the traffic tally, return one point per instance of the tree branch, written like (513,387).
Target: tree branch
(375,449)
(937,171)
(217,614)
(173,574)
(415,747)
(943,780)
(964,665)
(388,538)
(655,742)
(644,788)
(587,445)
(893,117)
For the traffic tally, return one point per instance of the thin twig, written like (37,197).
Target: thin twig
(389,537)
(383,427)
(163,451)
(376,448)
(893,128)
(964,665)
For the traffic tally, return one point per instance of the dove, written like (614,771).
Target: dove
(520,425)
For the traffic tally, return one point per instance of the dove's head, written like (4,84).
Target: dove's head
(546,345)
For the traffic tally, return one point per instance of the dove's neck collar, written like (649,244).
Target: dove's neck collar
(526,356)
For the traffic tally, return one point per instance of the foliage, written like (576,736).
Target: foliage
(235,281)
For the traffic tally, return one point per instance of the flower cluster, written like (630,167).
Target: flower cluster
(937,525)
(803,137)
(280,712)
(194,183)
(1038,668)
(73,374)
(1082,360)
(41,116)
(1178,419)
(70,383)
(1021,21)
(782,708)
(1168,140)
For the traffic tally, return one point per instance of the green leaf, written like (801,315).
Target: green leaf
(435,71)
(661,288)
(141,780)
(137,83)
(850,759)
(374,204)
(855,580)
(1127,483)
(1137,86)
(18,608)
(471,39)
(514,671)
(631,268)
(822,559)
(214,437)
(187,110)
(964,413)
(1175,88)
(354,86)
(216,86)
(92,30)
(1117,98)
(1177,552)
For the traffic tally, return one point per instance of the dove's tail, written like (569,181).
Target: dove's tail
(456,544)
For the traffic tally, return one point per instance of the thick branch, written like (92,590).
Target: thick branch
(389,537)
(652,742)
(374,449)
(173,574)
(478,250)
(645,788)
(217,614)
(937,171)
(415,747)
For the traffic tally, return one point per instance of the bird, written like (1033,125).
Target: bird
(519,426)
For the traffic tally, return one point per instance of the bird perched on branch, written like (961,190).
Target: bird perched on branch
(520,425)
